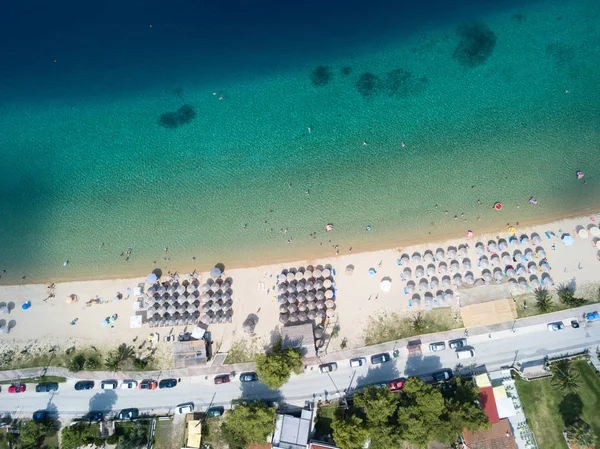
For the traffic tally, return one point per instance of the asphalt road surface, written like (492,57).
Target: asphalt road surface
(491,352)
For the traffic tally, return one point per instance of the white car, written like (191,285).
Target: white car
(359,361)
(553,327)
(182,409)
(129,384)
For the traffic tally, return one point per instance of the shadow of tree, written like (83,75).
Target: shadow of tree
(378,374)
(418,365)
(103,402)
(570,408)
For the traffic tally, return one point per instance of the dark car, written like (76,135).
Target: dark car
(93,416)
(441,376)
(380,358)
(84,385)
(248,377)
(222,379)
(41,415)
(398,384)
(575,324)
(128,413)
(457,344)
(46,387)
(167,383)
(215,411)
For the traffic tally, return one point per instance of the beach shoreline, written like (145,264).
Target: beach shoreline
(254,259)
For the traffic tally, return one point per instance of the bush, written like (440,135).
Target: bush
(92,363)
(77,363)
(113,439)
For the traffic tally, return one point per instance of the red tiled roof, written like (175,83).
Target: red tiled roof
(495,438)
(488,404)
(321,446)
(260,446)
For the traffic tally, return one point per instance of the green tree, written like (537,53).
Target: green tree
(564,377)
(78,435)
(581,434)
(92,363)
(567,296)
(349,433)
(543,300)
(248,423)
(115,359)
(462,411)
(32,434)
(418,323)
(137,437)
(77,362)
(275,367)
(378,404)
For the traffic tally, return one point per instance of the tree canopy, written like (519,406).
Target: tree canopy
(275,367)
(78,435)
(564,377)
(418,415)
(137,436)
(32,434)
(248,423)
(349,433)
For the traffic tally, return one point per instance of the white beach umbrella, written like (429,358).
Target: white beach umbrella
(205,296)
(443,268)
(302,317)
(291,288)
(216,272)
(523,285)
(151,279)
(479,249)
(300,286)
(416,257)
(410,287)
(180,289)
(283,318)
(594,230)
(419,271)
(521,270)
(430,269)
(484,262)
(320,295)
(547,281)
(598,243)
(328,294)
(327,283)
(310,296)
(281,288)
(326,272)
(541,254)
(406,273)
(321,314)
(487,275)
(440,254)
(301,297)
(428,256)
(469,278)
(290,277)
(320,305)
(545,267)
(292,298)
(349,269)
(318,284)
(330,304)
(317,273)
(498,276)
(423,284)
(299,276)
(311,315)
(535,239)
(215,287)
(518,256)
(506,259)
(532,268)
(205,287)
(524,240)
(528,253)
(582,233)
(454,266)
(511,273)
(492,247)
(302,307)
(449,295)
(428,296)
(434,283)
(311,305)
(495,260)
(467,264)
(161,291)
(292,308)
(330,313)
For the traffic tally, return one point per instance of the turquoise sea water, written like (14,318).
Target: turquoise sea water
(88,172)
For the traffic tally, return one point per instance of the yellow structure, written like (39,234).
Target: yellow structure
(193,437)
(488,313)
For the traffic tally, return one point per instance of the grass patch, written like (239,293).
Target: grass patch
(51,441)
(392,326)
(162,434)
(31,380)
(4,439)
(325,416)
(542,405)
(211,433)
(590,292)
(242,351)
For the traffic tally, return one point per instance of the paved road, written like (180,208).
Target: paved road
(501,349)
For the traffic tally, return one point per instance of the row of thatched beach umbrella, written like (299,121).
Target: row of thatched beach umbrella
(175,319)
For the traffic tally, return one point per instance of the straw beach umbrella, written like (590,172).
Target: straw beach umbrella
(419,271)
(430,269)
(416,257)
(492,247)
(502,245)
(443,268)
(404,259)
(484,262)
(434,283)
(466,264)
(540,253)
(439,254)
(423,284)
(487,275)
(479,249)
(428,256)
(451,252)
(410,287)
(462,250)
(446,282)
(457,279)
(454,266)
(535,239)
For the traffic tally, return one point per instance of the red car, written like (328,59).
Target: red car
(147,385)
(396,385)
(16,388)
(222,379)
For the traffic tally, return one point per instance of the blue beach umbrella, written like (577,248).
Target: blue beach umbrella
(372,272)
(567,239)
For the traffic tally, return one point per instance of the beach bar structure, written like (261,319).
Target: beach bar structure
(189,353)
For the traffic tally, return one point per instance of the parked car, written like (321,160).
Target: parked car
(108,384)
(185,408)
(93,416)
(380,358)
(458,343)
(465,353)
(46,387)
(439,346)
(167,383)
(41,415)
(84,385)
(359,361)
(328,367)
(128,413)
(398,384)
(592,316)
(575,324)
(129,384)
(440,376)
(222,379)
(17,388)
(147,385)
(248,377)
(215,411)
(553,327)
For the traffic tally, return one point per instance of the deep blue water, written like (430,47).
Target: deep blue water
(92,41)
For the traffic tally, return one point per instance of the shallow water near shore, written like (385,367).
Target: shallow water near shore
(89,173)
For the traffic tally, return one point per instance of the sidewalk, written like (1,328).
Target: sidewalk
(522,326)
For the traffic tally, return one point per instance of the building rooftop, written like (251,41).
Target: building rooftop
(300,336)
(189,353)
(292,432)
(500,436)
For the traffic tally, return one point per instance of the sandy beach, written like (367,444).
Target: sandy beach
(47,322)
